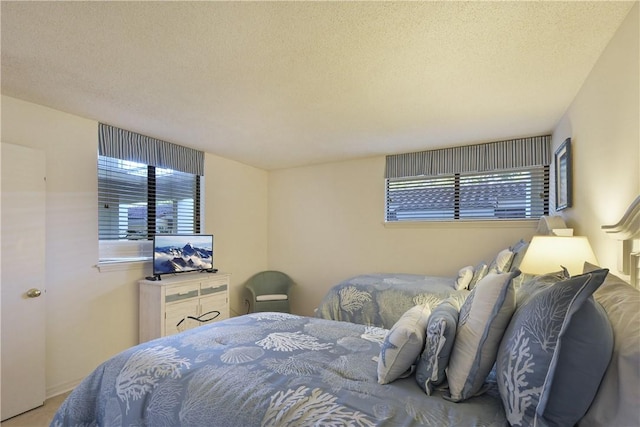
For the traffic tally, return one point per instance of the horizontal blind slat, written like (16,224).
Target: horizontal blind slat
(520,193)
(123,191)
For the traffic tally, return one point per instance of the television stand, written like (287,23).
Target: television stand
(171,305)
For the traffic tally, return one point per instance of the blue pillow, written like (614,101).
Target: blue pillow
(533,284)
(479,271)
(519,249)
(502,262)
(402,345)
(441,333)
(554,353)
(483,318)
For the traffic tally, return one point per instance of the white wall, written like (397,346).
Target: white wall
(326,224)
(603,123)
(236,214)
(92,315)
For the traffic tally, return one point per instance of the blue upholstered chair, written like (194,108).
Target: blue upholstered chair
(269,291)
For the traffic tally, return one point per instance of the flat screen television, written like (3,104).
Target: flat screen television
(181,253)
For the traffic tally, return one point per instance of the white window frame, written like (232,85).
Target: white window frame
(134,250)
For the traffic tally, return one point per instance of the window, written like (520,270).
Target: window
(517,194)
(145,187)
(137,201)
(504,180)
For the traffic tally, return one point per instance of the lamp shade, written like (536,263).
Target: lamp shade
(546,254)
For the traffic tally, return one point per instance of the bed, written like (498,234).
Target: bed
(263,369)
(380,299)
(278,369)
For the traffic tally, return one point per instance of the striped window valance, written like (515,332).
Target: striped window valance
(501,155)
(125,145)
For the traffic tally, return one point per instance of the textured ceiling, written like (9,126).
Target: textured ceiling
(284,84)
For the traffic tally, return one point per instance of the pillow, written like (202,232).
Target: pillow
(533,284)
(464,278)
(479,272)
(554,354)
(616,403)
(501,262)
(483,318)
(403,344)
(441,333)
(522,278)
(519,249)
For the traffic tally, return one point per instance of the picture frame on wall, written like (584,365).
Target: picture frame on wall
(563,175)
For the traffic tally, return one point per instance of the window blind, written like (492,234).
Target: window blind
(517,194)
(145,187)
(503,180)
(137,201)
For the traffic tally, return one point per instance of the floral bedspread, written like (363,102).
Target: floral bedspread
(263,369)
(381,299)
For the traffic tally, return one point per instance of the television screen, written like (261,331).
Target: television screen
(179,253)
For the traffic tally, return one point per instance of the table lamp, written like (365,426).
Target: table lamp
(547,254)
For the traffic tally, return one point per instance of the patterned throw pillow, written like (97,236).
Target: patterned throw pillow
(501,262)
(554,354)
(519,249)
(532,284)
(483,318)
(464,278)
(441,333)
(479,272)
(403,344)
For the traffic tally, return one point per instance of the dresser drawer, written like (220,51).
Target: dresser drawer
(208,288)
(180,293)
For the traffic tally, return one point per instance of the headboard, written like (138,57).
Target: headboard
(627,230)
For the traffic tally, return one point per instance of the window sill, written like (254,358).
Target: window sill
(489,223)
(121,264)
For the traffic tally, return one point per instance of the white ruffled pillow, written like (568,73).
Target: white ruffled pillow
(464,278)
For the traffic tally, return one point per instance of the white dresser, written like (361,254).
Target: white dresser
(184,301)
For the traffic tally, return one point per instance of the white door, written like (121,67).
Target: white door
(22,279)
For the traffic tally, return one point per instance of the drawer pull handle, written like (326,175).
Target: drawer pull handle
(211,290)
(181,296)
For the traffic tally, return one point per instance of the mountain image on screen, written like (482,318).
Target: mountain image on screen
(178,257)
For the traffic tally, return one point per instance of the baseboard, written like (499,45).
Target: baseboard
(62,388)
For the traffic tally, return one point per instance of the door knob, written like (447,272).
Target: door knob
(34,293)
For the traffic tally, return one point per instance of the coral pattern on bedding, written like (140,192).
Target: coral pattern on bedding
(381,299)
(554,353)
(441,333)
(263,369)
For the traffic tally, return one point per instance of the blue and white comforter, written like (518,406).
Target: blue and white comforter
(263,369)
(381,299)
